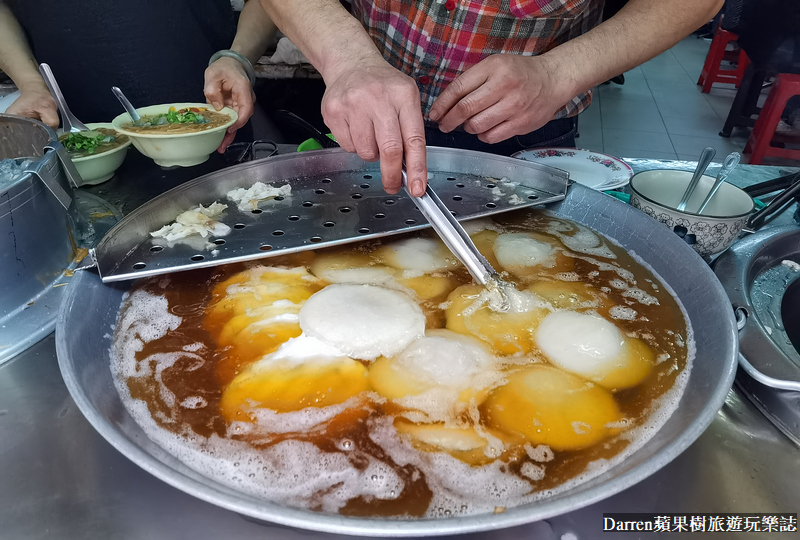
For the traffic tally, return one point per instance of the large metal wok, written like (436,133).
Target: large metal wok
(85,327)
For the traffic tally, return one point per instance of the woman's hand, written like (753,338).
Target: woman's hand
(36,102)
(502,96)
(227,85)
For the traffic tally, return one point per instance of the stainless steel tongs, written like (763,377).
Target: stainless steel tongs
(452,234)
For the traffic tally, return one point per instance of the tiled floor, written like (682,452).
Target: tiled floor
(659,112)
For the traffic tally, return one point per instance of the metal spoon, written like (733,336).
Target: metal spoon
(125,103)
(702,164)
(69,121)
(731,162)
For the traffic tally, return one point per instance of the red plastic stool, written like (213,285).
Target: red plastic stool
(711,71)
(758,145)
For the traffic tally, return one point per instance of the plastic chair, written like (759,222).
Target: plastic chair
(712,72)
(759,145)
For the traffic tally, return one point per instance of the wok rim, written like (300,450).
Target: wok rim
(270,512)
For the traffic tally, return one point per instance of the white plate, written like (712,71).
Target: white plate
(592,169)
(8,100)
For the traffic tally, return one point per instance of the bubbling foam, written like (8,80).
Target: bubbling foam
(622,313)
(262,460)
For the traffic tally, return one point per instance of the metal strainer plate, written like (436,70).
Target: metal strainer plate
(336,198)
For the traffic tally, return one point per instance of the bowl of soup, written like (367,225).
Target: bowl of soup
(177,134)
(96,153)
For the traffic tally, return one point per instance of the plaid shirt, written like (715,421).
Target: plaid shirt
(435,41)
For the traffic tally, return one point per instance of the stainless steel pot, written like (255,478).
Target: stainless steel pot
(83,341)
(34,233)
(36,228)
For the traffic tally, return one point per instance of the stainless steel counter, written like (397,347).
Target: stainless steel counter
(61,480)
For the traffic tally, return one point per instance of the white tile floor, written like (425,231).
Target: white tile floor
(659,112)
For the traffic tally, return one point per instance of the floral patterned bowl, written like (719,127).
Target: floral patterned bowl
(658,192)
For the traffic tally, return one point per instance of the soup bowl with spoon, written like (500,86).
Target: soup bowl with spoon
(658,193)
(184,146)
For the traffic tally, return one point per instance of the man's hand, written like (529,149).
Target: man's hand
(502,96)
(36,102)
(227,85)
(374,110)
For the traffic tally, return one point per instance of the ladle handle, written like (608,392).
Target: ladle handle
(70,121)
(702,164)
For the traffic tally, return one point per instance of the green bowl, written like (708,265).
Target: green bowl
(176,150)
(98,168)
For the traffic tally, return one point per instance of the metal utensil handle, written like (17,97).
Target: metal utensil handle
(731,162)
(717,183)
(770,186)
(452,234)
(125,103)
(702,164)
(70,121)
(757,219)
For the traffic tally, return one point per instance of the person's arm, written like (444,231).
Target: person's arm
(226,81)
(17,61)
(371,108)
(507,95)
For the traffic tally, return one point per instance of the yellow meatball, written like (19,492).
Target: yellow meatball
(339,267)
(256,288)
(529,254)
(484,241)
(593,348)
(461,443)
(290,386)
(507,332)
(573,295)
(422,255)
(458,367)
(553,407)
(250,344)
(349,267)
(428,287)
(255,311)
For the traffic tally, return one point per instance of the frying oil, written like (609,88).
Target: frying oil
(349,457)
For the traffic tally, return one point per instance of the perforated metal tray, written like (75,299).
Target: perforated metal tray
(336,198)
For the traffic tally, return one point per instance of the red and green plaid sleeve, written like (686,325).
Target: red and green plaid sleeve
(436,40)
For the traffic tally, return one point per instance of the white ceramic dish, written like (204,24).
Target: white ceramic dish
(592,169)
(658,192)
(176,150)
(98,168)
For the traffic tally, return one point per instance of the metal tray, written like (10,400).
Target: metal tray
(336,198)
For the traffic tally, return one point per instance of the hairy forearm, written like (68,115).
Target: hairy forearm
(254,33)
(324,31)
(16,59)
(640,31)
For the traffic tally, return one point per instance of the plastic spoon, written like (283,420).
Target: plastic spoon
(731,162)
(702,164)
(125,103)
(69,121)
